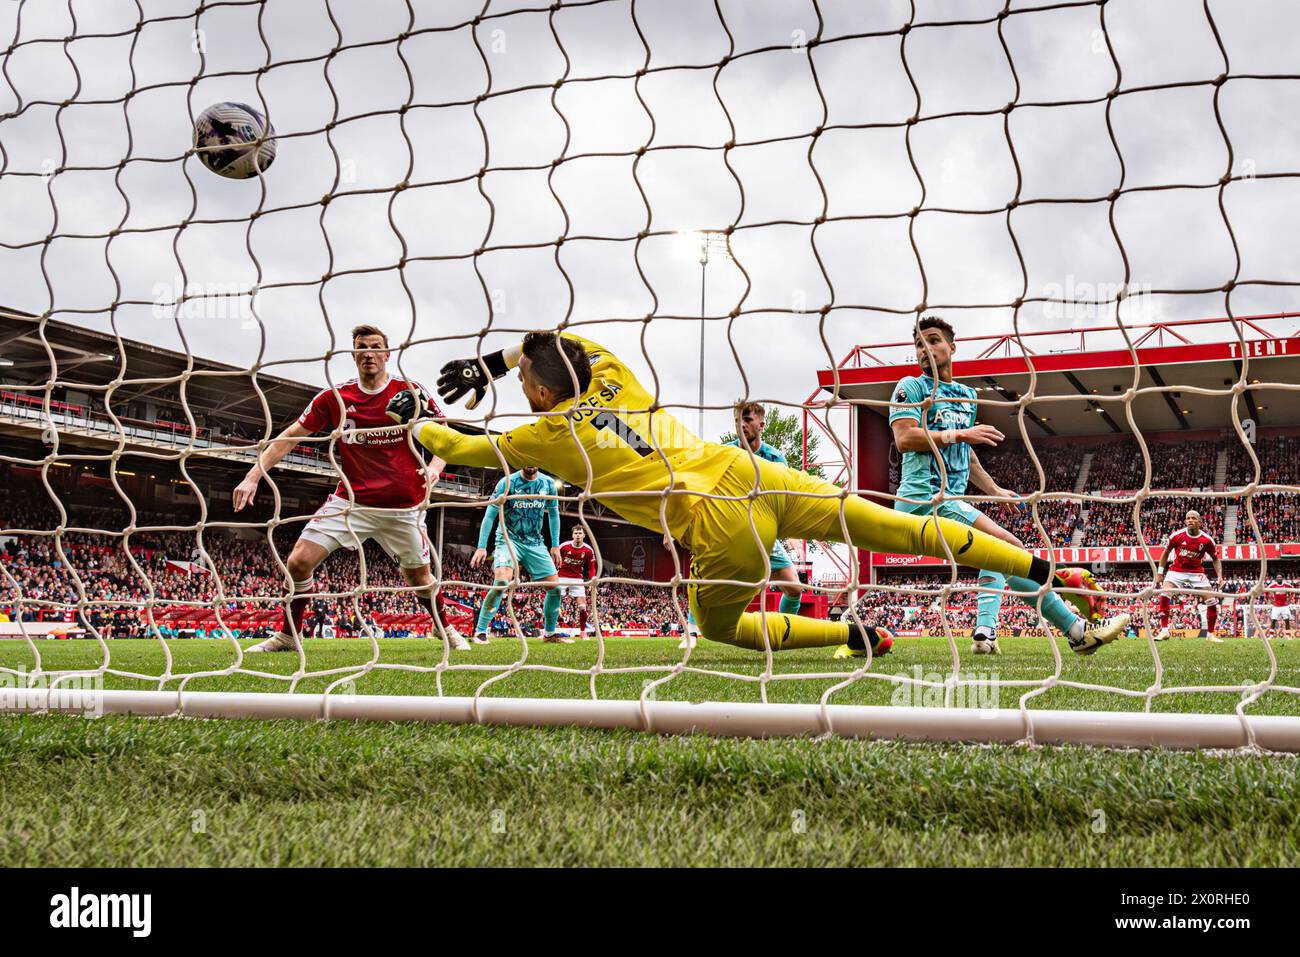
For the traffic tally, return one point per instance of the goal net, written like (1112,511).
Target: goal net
(731,198)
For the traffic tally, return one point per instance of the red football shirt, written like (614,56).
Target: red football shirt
(1280,598)
(383,470)
(1190,551)
(577,561)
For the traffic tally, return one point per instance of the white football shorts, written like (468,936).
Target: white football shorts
(399,532)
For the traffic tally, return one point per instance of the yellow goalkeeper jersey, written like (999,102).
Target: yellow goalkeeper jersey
(635,455)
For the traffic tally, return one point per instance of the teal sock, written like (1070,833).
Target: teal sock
(551,611)
(990,603)
(1055,609)
(489,609)
(790,605)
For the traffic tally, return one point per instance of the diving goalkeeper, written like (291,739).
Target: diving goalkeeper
(601,430)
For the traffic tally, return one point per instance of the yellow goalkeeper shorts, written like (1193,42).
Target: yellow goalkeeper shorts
(730,538)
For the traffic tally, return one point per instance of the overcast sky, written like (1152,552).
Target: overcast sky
(68,110)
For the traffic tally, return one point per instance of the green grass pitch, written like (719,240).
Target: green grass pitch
(135,791)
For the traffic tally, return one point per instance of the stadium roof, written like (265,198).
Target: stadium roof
(1079,389)
(86,357)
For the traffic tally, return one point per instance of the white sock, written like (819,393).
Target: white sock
(1077,629)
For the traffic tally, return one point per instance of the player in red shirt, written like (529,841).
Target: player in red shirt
(1280,614)
(387,478)
(1187,550)
(578,565)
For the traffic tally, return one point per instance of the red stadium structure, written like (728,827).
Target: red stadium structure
(1198,391)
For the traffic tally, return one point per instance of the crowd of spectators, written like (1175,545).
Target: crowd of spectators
(620,605)
(1112,524)
(1120,465)
(94,564)
(1059,520)
(920,605)
(1276,513)
(250,579)
(1115,466)
(1011,465)
(1277,456)
(1181,464)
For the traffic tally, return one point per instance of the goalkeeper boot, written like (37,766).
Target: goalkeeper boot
(555,638)
(480,638)
(277,642)
(881,639)
(687,642)
(1102,633)
(985,643)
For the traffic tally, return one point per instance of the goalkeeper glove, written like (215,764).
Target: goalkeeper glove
(468,375)
(405,406)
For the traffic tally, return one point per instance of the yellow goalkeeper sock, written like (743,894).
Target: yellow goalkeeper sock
(787,631)
(732,625)
(881,529)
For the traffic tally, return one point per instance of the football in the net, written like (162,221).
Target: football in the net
(1091,607)
(234,140)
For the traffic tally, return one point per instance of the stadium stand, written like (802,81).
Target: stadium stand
(248,570)
(155,423)
(921,609)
